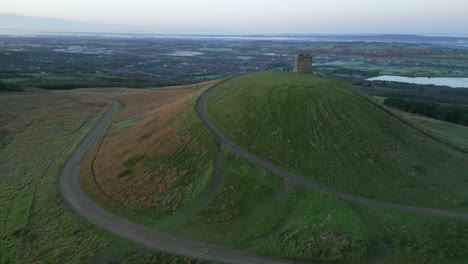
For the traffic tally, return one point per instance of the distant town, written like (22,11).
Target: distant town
(136,61)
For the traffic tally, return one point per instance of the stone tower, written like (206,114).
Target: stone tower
(303,63)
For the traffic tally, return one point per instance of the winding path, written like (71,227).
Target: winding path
(211,190)
(229,144)
(77,199)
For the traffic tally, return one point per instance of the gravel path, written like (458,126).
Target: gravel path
(229,144)
(213,189)
(79,201)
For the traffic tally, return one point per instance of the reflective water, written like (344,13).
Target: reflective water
(454,82)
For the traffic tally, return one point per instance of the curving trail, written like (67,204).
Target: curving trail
(211,190)
(220,137)
(145,236)
(152,239)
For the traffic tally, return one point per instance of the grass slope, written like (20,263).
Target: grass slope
(158,133)
(325,129)
(150,139)
(168,163)
(38,132)
(450,132)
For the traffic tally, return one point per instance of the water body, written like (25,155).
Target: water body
(182,53)
(454,82)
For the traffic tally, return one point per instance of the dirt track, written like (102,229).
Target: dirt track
(145,236)
(211,190)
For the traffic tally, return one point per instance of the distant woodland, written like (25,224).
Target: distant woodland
(439,102)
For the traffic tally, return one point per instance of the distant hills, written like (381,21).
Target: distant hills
(19,23)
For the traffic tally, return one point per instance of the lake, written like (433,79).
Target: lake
(454,82)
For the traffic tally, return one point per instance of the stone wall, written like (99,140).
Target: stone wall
(303,63)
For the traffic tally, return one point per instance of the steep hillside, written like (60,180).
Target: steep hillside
(327,130)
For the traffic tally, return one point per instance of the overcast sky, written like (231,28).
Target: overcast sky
(262,16)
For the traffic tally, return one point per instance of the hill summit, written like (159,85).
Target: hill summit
(329,131)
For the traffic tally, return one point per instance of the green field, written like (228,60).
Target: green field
(325,129)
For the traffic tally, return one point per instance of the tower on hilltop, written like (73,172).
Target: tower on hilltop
(303,63)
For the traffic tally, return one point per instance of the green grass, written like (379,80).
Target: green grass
(259,212)
(325,129)
(407,238)
(254,209)
(38,226)
(120,250)
(453,133)
(230,215)
(37,134)
(380,99)
(256,212)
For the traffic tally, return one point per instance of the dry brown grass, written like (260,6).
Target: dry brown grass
(132,167)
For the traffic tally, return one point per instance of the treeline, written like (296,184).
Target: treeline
(9,87)
(68,85)
(432,93)
(451,113)
(346,72)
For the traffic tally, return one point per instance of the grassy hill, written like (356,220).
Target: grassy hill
(157,161)
(325,129)
(450,132)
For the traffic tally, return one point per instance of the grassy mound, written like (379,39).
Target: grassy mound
(325,129)
(157,160)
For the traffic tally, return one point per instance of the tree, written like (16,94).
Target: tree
(8,87)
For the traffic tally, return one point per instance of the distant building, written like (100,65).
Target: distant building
(303,63)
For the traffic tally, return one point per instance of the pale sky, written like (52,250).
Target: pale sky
(262,16)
